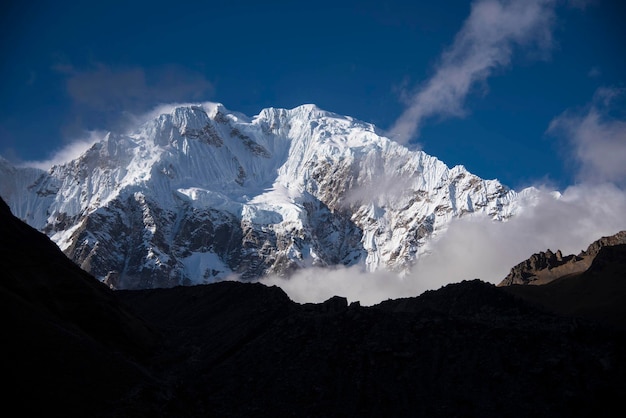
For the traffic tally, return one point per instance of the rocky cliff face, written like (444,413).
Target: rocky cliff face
(544,267)
(610,241)
(199,193)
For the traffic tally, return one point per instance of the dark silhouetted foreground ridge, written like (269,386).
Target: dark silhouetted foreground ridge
(73,347)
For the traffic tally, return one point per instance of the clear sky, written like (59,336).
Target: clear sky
(515,90)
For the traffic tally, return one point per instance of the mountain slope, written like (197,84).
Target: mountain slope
(199,193)
(591,284)
(544,267)
(74,348)
(69,344)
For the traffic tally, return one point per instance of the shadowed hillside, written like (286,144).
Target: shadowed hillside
(73,347)
(598,292)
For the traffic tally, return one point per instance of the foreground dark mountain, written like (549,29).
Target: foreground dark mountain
(72,347)
(67,341)
(591,284)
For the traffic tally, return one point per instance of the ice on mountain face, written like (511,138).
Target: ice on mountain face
(28,191)
(202,268)
(199,193)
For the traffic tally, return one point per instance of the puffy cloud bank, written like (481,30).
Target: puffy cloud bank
(476,247)
(596,137)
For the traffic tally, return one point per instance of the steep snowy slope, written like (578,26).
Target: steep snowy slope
(199,193)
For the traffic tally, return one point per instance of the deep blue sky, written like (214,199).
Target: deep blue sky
(68,67)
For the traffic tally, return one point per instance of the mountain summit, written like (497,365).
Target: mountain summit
(200,193)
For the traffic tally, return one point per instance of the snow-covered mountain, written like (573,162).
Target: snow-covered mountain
(200,193)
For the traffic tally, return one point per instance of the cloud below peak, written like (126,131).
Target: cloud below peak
(476,247)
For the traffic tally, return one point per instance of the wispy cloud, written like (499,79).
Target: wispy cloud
(109,97)
(107,88)
(380,187)
(106,97)
(484,44)
(596,137)
(594,72)
(68,152)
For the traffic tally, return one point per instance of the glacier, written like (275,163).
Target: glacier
(198,193)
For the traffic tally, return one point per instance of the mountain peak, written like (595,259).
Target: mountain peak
(309,108)
(313,112)
(181,112)
(199,193)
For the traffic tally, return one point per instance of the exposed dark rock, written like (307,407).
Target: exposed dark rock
(544,267)
(599,292)
(595,247)
(250,144)
(207,135)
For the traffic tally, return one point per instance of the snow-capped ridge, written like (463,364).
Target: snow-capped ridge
(198,192)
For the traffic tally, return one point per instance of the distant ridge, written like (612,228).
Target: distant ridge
(544,267)
(591,284)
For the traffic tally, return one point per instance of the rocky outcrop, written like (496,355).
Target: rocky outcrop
(544,267)
(599,292)
(596,246)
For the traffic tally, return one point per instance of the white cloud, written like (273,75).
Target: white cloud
(68,152)
(165,108)
(484,44)
(477,248)
(481,248)
(382,186)
(134,89)
(319,284)
(596,139)
(594,72)
(108,97)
